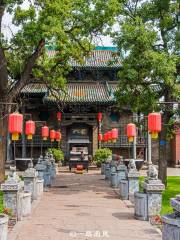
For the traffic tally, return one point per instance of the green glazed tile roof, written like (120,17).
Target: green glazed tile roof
(34,88)
(82,93)
(98,58)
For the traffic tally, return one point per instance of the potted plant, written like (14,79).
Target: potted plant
(101,156)
(58,156)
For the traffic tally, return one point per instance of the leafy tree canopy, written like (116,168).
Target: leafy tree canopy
(147,42)
(69,25)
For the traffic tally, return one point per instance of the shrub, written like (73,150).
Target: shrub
(57,154)
(101,155)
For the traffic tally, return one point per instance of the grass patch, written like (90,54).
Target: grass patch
(173,189)
(1,202)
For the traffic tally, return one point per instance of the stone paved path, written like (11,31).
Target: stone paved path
(82,207)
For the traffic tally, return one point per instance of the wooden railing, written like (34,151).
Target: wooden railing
(121,142)
(37,142)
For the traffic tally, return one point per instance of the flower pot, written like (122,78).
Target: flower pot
(3,226)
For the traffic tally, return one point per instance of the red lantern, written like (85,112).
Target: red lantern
(99,117)
(15,125)
(45,132)
(58,136)
(52,135)
(59,116)
(100,137)
(30,129)
(109,136)
(105,137)
(114,134)
(154,124)
(131,131)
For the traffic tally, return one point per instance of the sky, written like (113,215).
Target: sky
(8,29)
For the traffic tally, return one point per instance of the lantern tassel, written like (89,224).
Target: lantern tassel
(131,139)
(15,136)
(29,137)
(154,135)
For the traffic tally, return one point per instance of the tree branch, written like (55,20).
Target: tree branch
(25,76)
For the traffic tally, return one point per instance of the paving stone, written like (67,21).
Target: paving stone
(86,208)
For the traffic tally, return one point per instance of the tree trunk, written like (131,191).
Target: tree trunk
(163,154)
(162,158)
(2,151)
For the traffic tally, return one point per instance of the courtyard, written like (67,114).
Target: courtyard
(82,206)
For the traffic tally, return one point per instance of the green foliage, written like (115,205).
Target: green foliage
(101,155)
(147,43)
(68,25)
(57,154)
(172,189)
(1,202)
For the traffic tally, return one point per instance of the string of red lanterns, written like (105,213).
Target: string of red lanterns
(52,135)
(131,132)
(154,124)
(59,116)
(58,136)
(30,129)
(110,136)
(45,133)
(15,125)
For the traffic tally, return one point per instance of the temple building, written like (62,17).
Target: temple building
(90,89)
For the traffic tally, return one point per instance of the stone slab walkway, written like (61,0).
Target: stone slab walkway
(82,207)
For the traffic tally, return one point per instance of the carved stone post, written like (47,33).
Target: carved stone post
(121,172)
(133,182)
(12,188)
(47,173)
(53,166)
(107,171)
(30,179)
(171,222)
(148,203)
(153,187)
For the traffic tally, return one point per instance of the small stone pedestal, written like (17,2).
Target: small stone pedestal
(152,196)
(103,165)
(47,173)
(114,180)
(128,187)
(113,166)
(40,187)
(30,178)
(25,201)
(53,166)
(171,222)
(12,188)
(3,227)
(153,189)
(121,172)
(107,171)
(133,183)
(123,189)
(41,168)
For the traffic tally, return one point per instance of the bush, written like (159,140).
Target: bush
(57,154)
(101,155)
